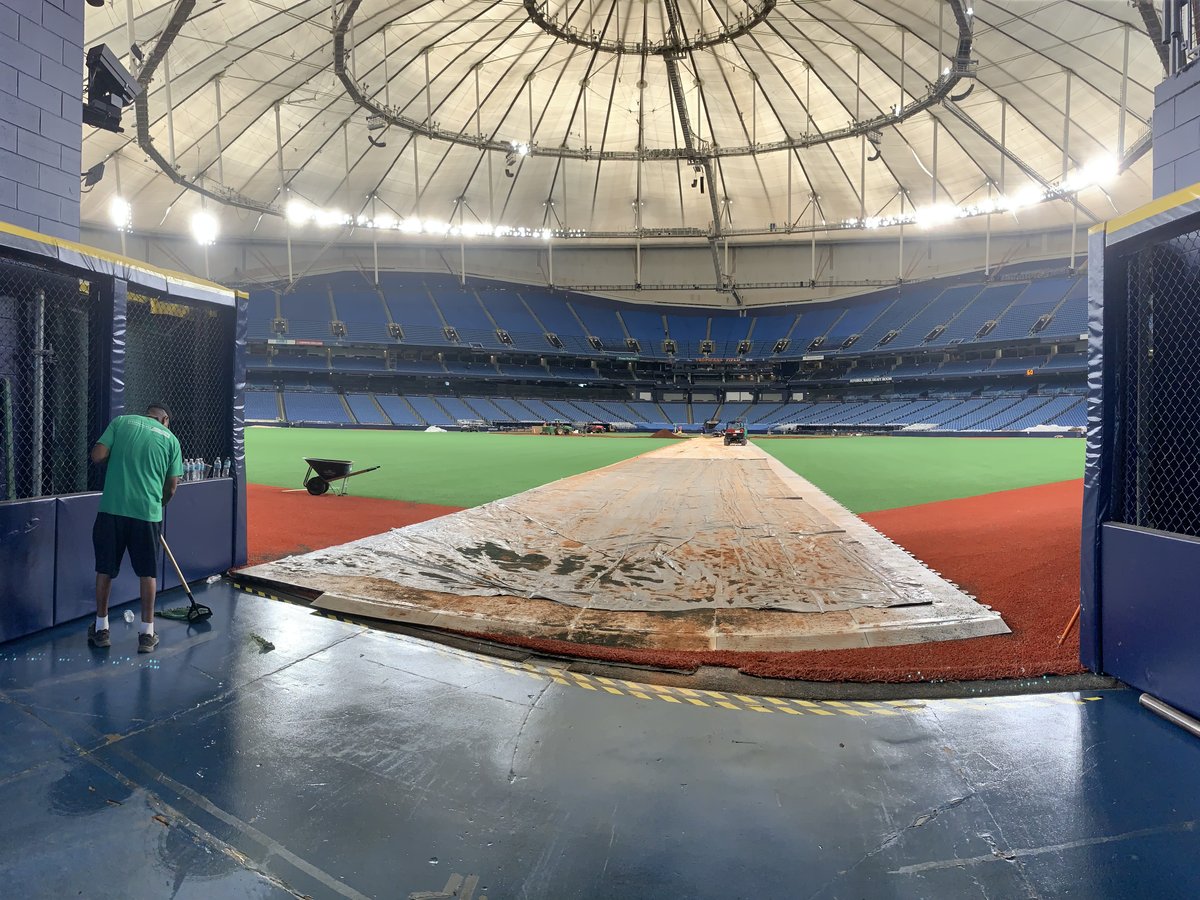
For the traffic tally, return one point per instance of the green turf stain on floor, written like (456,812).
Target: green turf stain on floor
(866,474)
(450,469)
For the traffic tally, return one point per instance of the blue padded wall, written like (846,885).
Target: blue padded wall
(26,567)
(1152,611)
(75,577)
(196,525)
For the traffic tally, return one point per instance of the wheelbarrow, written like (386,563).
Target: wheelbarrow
(322,473)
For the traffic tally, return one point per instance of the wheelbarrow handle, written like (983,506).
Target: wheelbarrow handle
(360,472)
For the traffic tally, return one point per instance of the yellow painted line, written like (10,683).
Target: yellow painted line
(876,708)
(109,256)
(1154,208)
(814,708)
(844,708)
(859,708)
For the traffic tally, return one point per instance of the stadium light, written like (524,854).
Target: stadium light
(120,211)
(299,212)
(205,228)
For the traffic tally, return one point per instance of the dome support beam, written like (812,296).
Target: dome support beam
(963,67)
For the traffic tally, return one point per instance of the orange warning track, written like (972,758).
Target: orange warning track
(1017,551)
(282,523)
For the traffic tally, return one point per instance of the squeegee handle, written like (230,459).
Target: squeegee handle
(175,565)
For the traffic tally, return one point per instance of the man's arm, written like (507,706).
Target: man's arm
(169,486)
(99,454)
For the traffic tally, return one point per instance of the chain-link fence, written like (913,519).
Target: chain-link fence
(1157,476)
(47,419)
(181,355)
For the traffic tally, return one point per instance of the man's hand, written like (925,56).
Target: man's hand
(169,488)
(99,454)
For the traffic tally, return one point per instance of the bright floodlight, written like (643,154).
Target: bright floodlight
(298,212)
(121,213)
(1029,195)
(205,227)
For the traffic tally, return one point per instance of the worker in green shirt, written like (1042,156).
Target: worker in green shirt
(144,467)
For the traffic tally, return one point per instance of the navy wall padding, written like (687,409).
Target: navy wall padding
(26,567)
(238,470)
(75,566)
(1097,479)
(1152,612)
(196,525)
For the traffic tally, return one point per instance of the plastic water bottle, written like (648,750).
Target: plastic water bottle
(226,467)
(128,616)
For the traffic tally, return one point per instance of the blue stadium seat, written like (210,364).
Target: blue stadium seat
(397,409)
(365,411)
(315,407)
(261,406)
(260,313)
(307,310)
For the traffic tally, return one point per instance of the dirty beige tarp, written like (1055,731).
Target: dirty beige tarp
(689,526)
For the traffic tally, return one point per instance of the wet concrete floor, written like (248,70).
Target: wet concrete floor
(351,763)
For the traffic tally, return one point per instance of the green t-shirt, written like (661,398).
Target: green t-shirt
(142,454)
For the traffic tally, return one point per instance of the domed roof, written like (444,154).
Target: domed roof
(612,118)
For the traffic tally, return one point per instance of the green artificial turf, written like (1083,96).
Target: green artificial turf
(450,469)
(866,474)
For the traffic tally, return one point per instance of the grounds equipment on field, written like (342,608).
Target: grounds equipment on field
(735,433)
(322,473)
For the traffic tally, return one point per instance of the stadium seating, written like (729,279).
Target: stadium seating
(398,410)
(315,406)
(308,310)
(261,406)
(365,411)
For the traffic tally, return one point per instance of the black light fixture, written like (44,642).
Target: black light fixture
(109,88)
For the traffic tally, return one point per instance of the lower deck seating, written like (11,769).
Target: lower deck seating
(995,411)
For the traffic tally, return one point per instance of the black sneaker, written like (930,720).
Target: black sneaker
(147,643)
(98,638)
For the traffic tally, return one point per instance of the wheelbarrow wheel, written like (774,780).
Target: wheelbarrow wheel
(316,485)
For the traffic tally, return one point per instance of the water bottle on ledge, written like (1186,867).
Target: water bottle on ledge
(226,466)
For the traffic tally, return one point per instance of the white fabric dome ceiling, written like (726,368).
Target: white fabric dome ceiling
(609,154)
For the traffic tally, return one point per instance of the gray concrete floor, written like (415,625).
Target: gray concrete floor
(352,763)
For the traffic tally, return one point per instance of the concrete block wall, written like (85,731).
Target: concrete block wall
(41,114)
(1177,132)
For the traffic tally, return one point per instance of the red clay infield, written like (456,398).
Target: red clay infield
(282,523)
(1017,551)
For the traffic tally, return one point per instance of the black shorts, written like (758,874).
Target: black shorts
(113,535)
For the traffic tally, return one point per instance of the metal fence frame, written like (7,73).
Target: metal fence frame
(112,283)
